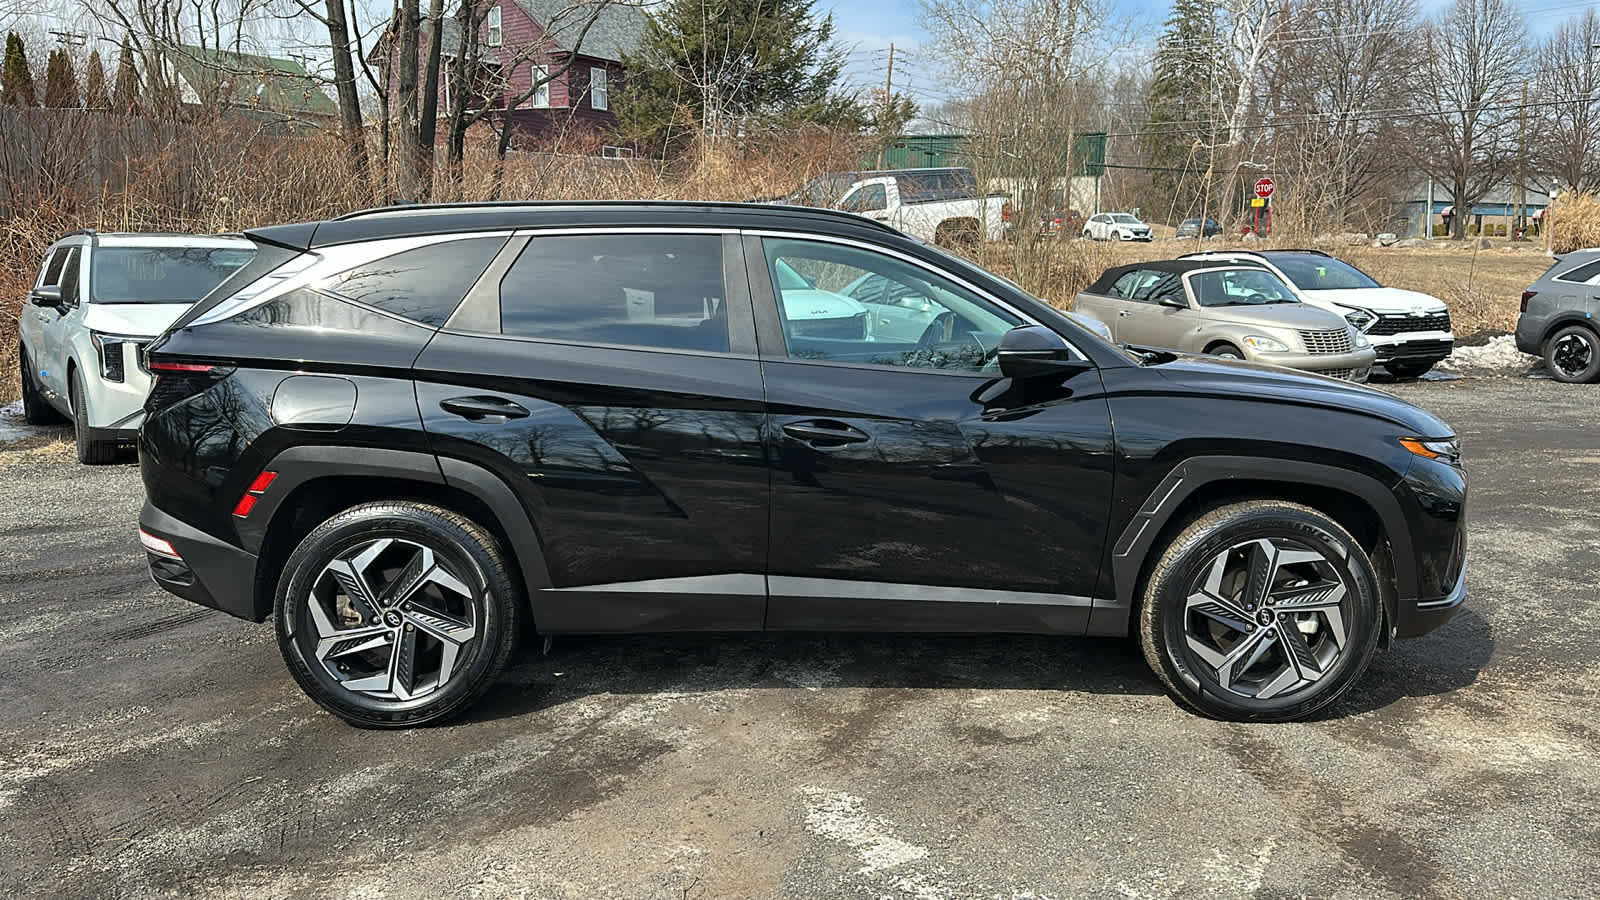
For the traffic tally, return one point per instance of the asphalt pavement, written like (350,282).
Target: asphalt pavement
(149,747)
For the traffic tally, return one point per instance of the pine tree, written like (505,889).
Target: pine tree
(723,67)
(60,82)
(125,95)
(94,84)
(1184,103)
(16,80)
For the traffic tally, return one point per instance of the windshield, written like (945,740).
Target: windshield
(1322,273)
(1125,219)
(1239,287)
(161,274)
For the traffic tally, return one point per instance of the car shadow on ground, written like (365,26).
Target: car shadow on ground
(702,663)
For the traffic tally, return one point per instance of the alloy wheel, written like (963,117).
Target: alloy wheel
(1573,354)
(392,620)
(1268,617)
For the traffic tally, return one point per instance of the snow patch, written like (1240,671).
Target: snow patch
(1499,356)
(837,815)
(12,426)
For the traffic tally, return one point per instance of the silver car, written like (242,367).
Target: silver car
(1232,310)
(1558,317)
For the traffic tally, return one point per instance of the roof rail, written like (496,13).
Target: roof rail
(412,208)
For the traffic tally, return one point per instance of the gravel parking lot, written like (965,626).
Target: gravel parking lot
(150,747)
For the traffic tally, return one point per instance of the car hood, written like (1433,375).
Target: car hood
(1381,300)
(807,305)
(132,319)
(1238,378)
(1278,315)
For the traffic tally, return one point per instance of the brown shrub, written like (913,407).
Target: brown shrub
(1575,222)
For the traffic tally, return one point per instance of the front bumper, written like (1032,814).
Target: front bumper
(206,570)
(1414,348)
(1124,236)
(1355,365)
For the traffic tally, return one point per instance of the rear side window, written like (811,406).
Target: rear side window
(1583,274)
(424,285)
(651,290)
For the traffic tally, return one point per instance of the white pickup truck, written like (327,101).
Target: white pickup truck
(943,206)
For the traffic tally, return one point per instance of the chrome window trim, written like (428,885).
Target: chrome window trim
(325,263)
(920,264)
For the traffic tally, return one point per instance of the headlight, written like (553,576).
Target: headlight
(109,348)
(1362,319)
(1443,449)
(1265,344)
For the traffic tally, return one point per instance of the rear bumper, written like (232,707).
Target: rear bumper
(206,571)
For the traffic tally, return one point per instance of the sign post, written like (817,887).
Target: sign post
(1264,188)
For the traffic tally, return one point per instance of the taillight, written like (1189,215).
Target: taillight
(253,493)
(1526,296)
(1005,211)
(177,381)
(183,367)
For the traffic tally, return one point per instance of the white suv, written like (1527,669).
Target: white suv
(1410,330)
(1116,227)
(98,300)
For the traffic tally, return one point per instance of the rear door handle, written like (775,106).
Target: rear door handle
(476,409)
(825,434)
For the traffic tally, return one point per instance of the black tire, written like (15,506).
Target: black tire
(460,547)
(1572,355)
(1225,351)
(1169,617)
(1408,369)
(91,452)
(35,409)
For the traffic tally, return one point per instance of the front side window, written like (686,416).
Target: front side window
(69,277)
(867,198)
(1322,273)
(161,274)
(846,304)
(662,291)
(1239,287)
(1124,219)
(599,89)
(52,267)
(424,285)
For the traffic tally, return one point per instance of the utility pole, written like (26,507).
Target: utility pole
(1522,156)
(888,98)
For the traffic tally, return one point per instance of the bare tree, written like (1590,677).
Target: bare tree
(1568,79)
(1472,63)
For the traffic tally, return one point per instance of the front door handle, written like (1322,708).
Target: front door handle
(1124,312)
(825,434)
(476,409)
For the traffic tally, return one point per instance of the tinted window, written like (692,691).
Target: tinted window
(52,267)
(1582,274)
(1239,287)
(856,306)
(161,274)
(941,184)
(1322,273)
(425,284)
(69,277)
(642,290)
(870,197)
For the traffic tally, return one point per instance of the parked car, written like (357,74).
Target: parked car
(1409,330)
(98,299)
(1061,221)
(1232,309)
(429,430)
(1557,320)
(1116,227)
(943,206)
(1189,228)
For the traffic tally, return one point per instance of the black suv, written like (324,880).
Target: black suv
(412,435)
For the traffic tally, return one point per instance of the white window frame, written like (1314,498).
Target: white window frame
(494,32)
(599,88)
(541,95)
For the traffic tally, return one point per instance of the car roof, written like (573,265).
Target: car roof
(152,239)
(1264,254)
(449,218)
(1179,266)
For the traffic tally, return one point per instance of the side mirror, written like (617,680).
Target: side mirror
(1034,351)
(1175,301)
(48,296)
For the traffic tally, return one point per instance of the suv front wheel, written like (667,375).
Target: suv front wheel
(1260,611)
(396,614)
(91,451)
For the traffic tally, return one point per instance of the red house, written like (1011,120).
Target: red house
(522,41)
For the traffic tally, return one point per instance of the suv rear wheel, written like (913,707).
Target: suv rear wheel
(1260,611)
(1573,355)
(35,409)
(397,614)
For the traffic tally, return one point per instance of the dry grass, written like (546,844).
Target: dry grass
(1576,219)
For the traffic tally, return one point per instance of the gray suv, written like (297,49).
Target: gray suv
(1232,309)
(1557,320)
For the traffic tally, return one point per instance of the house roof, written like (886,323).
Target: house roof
(617,30)
(250,80)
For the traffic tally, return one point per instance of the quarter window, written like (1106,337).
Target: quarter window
(846,304)
(1583,274)
(663,291)
(424,285)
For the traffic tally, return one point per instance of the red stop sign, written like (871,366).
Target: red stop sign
(1264,188)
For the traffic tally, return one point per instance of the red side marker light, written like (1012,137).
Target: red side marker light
(158,546)
(253,493)
(262,481)
(245,504)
